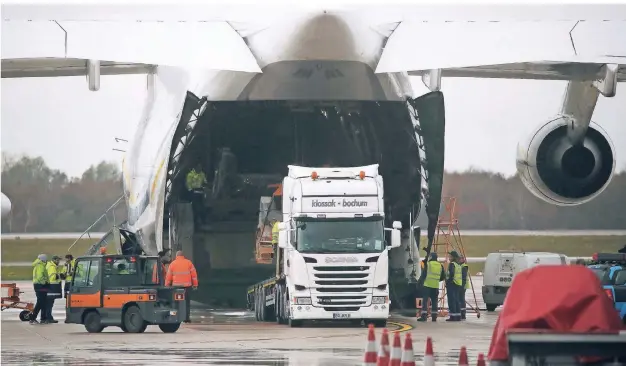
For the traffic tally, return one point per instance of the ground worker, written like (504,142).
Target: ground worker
(155,272)
(121,269)
(454,282)
(182,272)
(432,274)
(275,231)
(103,251)
(195,182)
(70,264)
(195,179)
(41,285)
(54,292)
(465,284)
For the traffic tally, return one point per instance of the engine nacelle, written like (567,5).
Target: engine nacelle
(558,172)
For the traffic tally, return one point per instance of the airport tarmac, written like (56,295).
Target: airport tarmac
(229,337)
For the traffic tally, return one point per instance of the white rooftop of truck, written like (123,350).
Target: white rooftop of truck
(348,172)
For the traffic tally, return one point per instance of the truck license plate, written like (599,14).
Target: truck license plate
(340,316)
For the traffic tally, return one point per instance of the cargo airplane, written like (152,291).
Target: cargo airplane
(240,96)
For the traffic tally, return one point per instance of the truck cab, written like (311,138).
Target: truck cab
(336,261)
(611,271)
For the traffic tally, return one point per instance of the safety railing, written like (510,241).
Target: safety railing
(105,215)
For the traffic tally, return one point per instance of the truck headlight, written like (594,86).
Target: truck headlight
(379,300)
(303,301)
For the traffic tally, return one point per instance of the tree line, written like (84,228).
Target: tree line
(47,200)
(491,201)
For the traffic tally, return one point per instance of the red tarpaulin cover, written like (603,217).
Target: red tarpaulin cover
(559,298)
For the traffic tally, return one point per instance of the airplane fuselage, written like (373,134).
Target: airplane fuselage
(316,57)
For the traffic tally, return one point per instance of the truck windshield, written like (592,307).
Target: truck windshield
(364,235)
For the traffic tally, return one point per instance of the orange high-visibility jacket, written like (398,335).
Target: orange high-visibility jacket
(181,273)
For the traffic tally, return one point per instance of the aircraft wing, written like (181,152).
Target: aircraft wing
(484,259)
(543,50)
(62,48)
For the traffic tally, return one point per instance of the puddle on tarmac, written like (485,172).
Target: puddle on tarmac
(267,357)
(113,356)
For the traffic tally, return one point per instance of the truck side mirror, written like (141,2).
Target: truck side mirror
(282,235)
(395,234)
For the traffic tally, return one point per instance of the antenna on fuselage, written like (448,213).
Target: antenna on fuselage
(118,140)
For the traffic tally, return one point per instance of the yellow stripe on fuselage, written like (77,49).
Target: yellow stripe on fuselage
(156,178)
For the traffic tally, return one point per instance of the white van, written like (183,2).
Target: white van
(501,267)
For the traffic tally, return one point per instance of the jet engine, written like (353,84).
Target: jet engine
(562,173)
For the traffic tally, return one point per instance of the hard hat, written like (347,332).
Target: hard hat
(103,250)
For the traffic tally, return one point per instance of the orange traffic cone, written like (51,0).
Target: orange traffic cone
(429,357)
(383,351)
(463,357)
(481,360)
(370,348)
(396,351)
(408,357)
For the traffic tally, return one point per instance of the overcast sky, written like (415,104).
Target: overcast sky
(72,128)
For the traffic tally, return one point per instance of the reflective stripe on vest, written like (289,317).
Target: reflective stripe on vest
(53,275)
(69,269)
(457,274)
(467,278)
(433,274)
(181,273)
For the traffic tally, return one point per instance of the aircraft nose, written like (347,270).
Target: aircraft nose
(323,37)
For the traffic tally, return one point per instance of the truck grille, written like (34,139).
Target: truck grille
(338,301)
(342,268)
(342,308)
(339,288)
(339,283)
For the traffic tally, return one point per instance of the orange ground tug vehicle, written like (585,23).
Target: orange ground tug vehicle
(11,300)
(125,291)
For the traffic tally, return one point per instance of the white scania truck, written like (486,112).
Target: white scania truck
(333,260)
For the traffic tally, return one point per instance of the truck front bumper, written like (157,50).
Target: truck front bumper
(309,312)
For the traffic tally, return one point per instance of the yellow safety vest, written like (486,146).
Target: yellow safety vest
(433,275)
(275,233)
(69,270)
(195,180)
(457,274)
(53,275)
(40,275)
(467,280)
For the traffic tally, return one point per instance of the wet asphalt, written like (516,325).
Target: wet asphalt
(229,337)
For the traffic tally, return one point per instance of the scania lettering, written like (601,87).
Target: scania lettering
(332,260)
